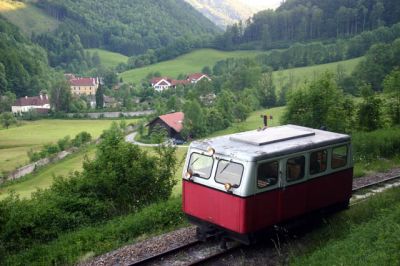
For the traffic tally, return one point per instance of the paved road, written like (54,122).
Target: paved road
(131,138)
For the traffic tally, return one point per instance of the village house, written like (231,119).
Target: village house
(82,86)
(172,123)
(163,83)
(39,103)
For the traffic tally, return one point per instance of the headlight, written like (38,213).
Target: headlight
(210,151)
(189,174)
(228,186)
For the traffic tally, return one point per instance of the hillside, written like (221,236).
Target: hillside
(129,27)
(27,17)
(23,65)
(109,59)
(188,63)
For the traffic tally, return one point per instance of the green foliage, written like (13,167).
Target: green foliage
(23,66)
(60,97)
(369,111)
(382,143)
(6,101)
(69,248)
(320,103)
(100,97)
(391,86)
(7,119)
(367,234)
(121,179)
(194,120)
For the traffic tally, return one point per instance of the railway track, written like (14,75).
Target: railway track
(193,253)
(198,252)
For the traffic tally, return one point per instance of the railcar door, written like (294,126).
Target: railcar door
(293,192)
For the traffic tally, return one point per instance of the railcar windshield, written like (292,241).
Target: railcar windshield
(229,172)
(200,165)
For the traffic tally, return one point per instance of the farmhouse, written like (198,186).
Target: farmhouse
(196,77)
(39,103)
(172,123)
(164,83)
(83,86)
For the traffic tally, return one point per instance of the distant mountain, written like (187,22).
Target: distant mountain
(222,12)
(227,12)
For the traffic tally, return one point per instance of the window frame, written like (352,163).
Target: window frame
(211,169)
(302,178)
(216,171)
(326,162)
(278,174)
(346,160)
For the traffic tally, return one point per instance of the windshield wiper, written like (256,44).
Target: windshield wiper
(223,169)
(194,161)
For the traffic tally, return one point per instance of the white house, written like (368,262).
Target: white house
(196,77)
(160,84)
(40,103)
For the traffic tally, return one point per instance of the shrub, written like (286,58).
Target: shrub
(81,138)
(121,179)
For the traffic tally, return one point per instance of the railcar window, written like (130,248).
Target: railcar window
(267,174)
(339,157)
(318,160)
(201,165)
(295,168)
(229,172)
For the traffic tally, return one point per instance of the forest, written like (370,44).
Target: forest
(24,68)
(305,20)
(127,27)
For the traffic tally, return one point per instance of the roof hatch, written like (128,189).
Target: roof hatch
(271,135)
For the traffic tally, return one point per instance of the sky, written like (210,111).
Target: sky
(261,4)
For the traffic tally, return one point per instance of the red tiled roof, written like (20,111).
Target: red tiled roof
(175,82)
(32,101)
(158,79)
(174,120)
(83,82)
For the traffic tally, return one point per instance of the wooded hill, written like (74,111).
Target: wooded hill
(305,20)
(130,27)
(23,66)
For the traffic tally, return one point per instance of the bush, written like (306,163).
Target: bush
(81,138)
(64,143)
(121,179)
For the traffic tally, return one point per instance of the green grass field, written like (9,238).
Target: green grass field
(15,142)
(189,63)
(44,177)
(109,59)
(27,17)
(301,74)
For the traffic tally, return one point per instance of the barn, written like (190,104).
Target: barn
(172,123)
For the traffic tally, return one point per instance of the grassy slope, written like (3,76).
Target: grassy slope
(301,74)
(109,59)
(17,141)
(188,63)
(27,17)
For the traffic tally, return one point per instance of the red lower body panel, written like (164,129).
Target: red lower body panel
(245,215)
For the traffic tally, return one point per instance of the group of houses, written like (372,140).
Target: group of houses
(164,83)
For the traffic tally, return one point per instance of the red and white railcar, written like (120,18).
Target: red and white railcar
(244,183)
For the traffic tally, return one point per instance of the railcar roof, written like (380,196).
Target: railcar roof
(270,142)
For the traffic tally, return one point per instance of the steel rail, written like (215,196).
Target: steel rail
(215,256)
(166,253)
(376,183)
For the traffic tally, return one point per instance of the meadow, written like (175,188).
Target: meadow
(189,63)
(302,74)
(15,142)
(27,17)
(109,59)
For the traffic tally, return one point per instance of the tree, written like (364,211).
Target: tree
(100,97)
(7,119)
(369,111)
(194,125)
(391,86)
(267,90)
(60,97)
(6,101)
(320,103)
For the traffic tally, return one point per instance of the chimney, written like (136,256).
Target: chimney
(41,97)
(26,97)
(47,97)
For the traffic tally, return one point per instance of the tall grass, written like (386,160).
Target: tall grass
(382,143)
